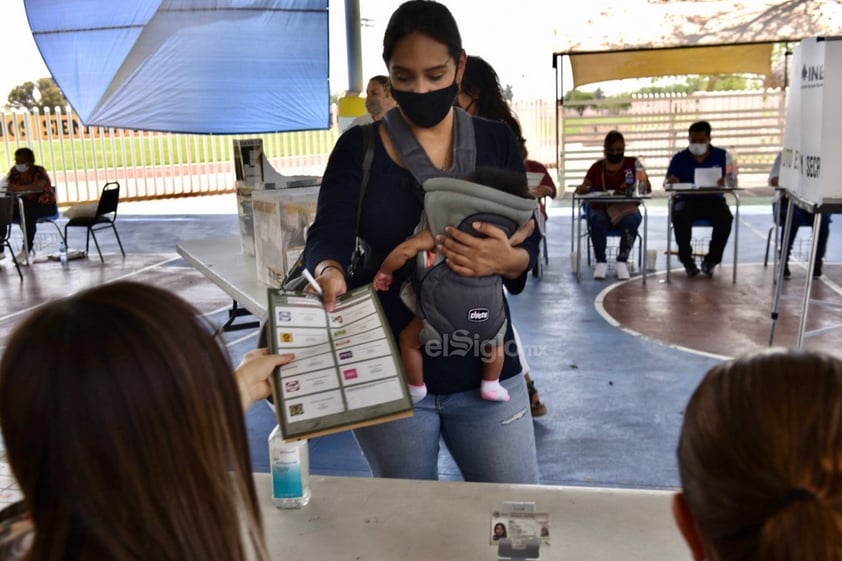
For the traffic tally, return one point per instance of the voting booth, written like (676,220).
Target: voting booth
(811,167)
(810,164)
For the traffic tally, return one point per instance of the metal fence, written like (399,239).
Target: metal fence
(148,165)
(152,165)
(749,124)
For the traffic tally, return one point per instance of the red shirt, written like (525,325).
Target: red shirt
(537,167)
(48,193)
(603,180)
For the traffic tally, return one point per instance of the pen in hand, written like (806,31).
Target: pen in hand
(312,282)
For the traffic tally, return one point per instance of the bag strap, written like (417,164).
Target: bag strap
(294,279)
(368,140)
(414,156)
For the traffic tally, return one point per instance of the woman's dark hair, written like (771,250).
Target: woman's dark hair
(124,428)
(26,153)
(422,16)
(612,138)
(502,527)
(480,82)
(760,457)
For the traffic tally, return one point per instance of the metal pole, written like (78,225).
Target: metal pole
(354,45)
(813,251)
(779,274)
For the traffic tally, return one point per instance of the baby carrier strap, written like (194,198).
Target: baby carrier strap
(415,158)
(448,201)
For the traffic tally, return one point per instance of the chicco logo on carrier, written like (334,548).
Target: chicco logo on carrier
(478,314)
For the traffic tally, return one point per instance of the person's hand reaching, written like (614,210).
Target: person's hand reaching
(254,374)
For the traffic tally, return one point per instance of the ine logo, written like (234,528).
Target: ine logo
(478,314)
(812,73)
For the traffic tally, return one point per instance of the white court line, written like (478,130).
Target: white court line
(123,277)
(600,308)
(251,335)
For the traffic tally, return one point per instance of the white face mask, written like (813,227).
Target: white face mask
(697,149)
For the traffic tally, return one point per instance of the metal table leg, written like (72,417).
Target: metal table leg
(669,234)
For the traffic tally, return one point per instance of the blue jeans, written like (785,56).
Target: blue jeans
(599,224)
(490,441)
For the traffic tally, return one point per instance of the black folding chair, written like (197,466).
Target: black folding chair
(7,212)
(105,216)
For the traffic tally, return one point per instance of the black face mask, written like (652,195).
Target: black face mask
(615,158)
(426,109)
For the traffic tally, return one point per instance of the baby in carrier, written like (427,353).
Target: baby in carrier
(446,303)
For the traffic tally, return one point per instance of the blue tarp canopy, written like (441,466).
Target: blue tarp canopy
(191,66)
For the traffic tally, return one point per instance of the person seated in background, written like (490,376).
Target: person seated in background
(800,217)
(124,428)
(618,173)
(700,154)
(378,100)
(760,459)
(26,176)
(480,94)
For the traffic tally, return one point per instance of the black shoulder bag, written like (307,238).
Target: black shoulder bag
(363,265)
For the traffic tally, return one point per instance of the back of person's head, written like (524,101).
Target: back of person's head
(502,179)
(700,126)
(481,83)
(426,17)
(124,428)
(760,459)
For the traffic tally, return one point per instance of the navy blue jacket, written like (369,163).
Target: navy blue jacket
(391,210)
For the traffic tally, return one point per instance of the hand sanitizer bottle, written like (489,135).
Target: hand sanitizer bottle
(62,253)
(290,466)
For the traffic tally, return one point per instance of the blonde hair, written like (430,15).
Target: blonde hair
(759,457)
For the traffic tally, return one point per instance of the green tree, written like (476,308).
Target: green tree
(706,83)
(43,94)
(579,96)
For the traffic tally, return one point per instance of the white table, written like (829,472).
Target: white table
(399,520)
(19,196)
(223,262)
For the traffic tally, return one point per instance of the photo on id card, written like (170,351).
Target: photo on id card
(520,526)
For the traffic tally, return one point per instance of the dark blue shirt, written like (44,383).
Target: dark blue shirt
(391,210)
(684,165)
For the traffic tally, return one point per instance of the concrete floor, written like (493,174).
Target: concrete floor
(614,362)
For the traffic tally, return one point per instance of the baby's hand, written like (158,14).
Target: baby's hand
(382,281)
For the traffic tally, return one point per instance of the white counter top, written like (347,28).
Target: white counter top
(363,519)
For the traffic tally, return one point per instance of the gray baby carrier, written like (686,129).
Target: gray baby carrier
(448,302)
